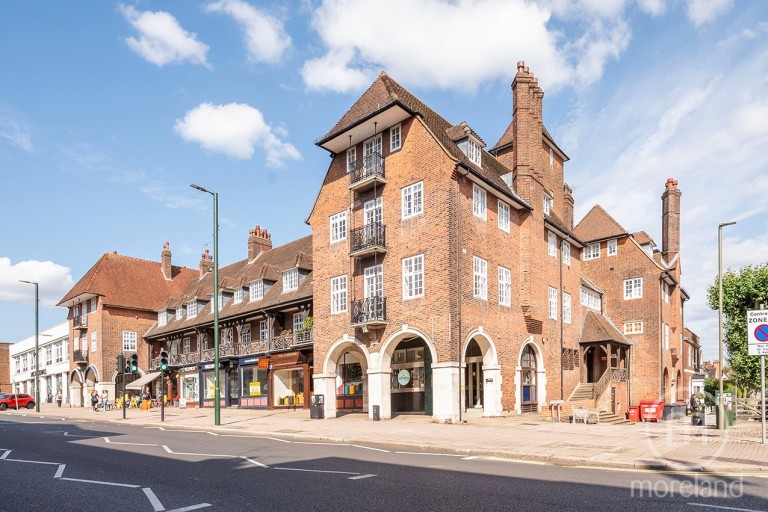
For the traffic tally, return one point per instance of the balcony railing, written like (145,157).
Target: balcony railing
(278,343)
(367,172)
(369,239)
(80,321)
(184,359)
(80,357)
(369,312)
(291,340)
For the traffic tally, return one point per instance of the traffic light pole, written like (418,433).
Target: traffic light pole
(162,396)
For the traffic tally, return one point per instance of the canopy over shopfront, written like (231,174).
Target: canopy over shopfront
(143,381)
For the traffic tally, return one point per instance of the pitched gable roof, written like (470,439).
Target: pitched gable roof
(598,328)
(598,225)
(130,282)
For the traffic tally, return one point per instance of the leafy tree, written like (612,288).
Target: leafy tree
(741,290)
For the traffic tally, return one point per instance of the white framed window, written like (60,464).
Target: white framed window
(162,317)
(549,202)
(633,327)
(591,299)
(374,281)
(238,296)
(93,304)
(291,280)
(566,248)
(263,330)
(372,152)
(413,200)
(48,355)
(413,277)
(59,352)
(665,291)
(129,341)
(552,303)
(373,212)
(633,288)
(179,312)
(566,308)
(338,295)
(83,345)
(338,227)
(480,273)
(612,247)
(474,152)
(592,251)
(229,335)
(395,138)
(351,159)
(76,343)
(298,321)
(256,290)
(192,309)
(552,244)
(186,345)
(504,216)
(505,286)
(551,158)
(93,342)
(479,202)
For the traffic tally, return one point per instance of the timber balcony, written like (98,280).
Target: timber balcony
(367,240)
(80,322)
(369,312)
(367,173)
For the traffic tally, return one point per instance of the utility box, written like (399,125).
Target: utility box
(376,412)
(317,407)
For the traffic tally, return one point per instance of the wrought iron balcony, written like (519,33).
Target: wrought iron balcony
(370,312)
(80,322)
(80,357)
(367,172)
(367,240)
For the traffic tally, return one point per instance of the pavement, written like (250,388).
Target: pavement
(671,445)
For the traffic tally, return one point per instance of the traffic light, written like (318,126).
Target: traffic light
(120,363)
(163,361)
(134,364)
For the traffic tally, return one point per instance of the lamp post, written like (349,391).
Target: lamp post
(37,351)
(216,405)
(720,402)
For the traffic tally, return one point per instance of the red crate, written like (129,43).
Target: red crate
(651,410)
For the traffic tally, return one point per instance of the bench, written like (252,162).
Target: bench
(585,415)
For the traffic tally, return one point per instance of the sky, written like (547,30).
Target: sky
(110,110)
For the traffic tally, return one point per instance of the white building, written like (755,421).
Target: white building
(53,347)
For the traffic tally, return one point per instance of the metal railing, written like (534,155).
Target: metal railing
(80,321)
(371,309)
(370,235)
(370,166)
(290,340)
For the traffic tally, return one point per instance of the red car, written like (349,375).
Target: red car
(14,401)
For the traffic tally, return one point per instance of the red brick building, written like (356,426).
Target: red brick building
(110,308)
(5,367)
(447,276)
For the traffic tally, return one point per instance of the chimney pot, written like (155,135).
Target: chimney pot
(520,65)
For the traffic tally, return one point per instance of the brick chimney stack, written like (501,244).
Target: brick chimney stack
(259,240)
(670,220)
(568,206)
(165,262)
(527,119)
(206,263)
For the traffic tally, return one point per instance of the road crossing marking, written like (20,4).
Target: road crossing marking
(319,471)
(133,486)
(108,441)
(191,507)
(360,477)
(153,499)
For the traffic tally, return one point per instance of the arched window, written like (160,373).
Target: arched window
(529,398)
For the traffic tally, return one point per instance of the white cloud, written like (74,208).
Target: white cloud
(704,11)
(653,7)
(16,134)
(265,36)
(54,281)
(234,129)
(162,40)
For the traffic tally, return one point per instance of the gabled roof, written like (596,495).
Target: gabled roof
(586,282)
(599,328)
(642,238)
(507,138)
(598,225)
(384,93)
(130,282)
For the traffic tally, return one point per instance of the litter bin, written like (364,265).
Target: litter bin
(317,407)
(697,416)
(669,412)
(376,412)
(633,413)
(651,410)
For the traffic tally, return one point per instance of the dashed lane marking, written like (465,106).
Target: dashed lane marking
(723,508)
(436,454)
(319,471)
(116,484)
(254,462)
(60,471)
(153,499)
(518,461)
(370,448)
(360,477)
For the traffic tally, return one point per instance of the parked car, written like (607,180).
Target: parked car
(8,400)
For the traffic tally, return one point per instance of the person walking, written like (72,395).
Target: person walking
(95,401)
(58,398)
(104,400)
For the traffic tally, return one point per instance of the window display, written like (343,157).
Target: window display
(289,387)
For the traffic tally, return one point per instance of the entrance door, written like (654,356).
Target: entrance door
(234,389)
(411,378)
(473,383)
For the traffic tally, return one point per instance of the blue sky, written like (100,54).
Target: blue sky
(109,110)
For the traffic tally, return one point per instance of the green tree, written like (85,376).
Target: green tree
(741,290)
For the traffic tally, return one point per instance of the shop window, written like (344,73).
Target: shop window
(288,387)
(255,386)
(190,388)
(349,383)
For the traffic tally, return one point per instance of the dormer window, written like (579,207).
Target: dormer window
(473,152)
(549,202)
(257,290)
(291,280)
(192,309)
(238,296)
(162,317)
(180,312)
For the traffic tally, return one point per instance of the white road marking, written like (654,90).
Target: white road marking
(360,477)
(255,462)
(33,461)
(212,433)
(153,499)
(60,471)
(427,453)
(165,447)
(67,434)
(101,483)
(191,507)
(107,440)
(519,461)
(723,508)
(319,471)
(320,443)
(369,448)
(471,457)
(7,452)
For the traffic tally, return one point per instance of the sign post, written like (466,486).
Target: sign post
(757,345)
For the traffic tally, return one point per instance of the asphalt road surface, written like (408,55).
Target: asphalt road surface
(55,465)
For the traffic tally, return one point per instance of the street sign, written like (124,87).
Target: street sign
(757,332)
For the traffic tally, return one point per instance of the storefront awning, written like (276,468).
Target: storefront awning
(140,383)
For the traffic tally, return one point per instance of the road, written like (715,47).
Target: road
(48,464)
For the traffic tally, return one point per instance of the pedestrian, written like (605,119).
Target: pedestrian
(104,399)
(58,398)
(95,400)
(49,399)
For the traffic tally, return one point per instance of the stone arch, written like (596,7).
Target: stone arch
(338,348)
(389,345)
(487,346)
(76,388)
(486,376)
(541,375)
(350,387)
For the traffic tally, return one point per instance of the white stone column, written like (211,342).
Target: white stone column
(446,385)
(492,390)
(325,384)
(379,393)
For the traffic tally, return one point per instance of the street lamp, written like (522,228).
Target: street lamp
(720,402)
(216,405)
(37,350)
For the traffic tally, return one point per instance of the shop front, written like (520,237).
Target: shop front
(189,387)
(290,373)
(208,384)
(254,382)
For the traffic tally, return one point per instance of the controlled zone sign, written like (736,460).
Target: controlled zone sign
(757,332)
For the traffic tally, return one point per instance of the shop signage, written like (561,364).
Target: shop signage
(188,369)
(210,366)
(264,362)
(403,377)
(255,388)
(249,360)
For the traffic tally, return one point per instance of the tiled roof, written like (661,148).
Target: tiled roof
(598,225)
(585,281)
(131,282)
(241,273)
(507,138)
(642,238)
(599,328)
(385,91)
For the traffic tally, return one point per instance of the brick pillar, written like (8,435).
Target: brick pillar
(206,262)
(165,262)
(568,206)
(670,220)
